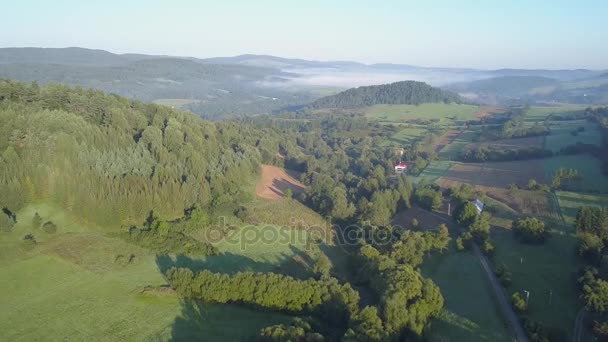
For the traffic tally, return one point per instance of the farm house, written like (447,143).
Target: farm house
(478,205)
(401,168)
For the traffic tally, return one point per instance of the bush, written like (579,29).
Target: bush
(6,223)
(29,241)
(49,227)
(504,275)
(519,304)
(36,221)
(428,198)
(530,230)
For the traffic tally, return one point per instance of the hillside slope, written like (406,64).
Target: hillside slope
(405,92)
(111,160)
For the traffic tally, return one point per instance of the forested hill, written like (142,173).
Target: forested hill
(111,160)
(404,92)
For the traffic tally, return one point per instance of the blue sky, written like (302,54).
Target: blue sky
(479,34)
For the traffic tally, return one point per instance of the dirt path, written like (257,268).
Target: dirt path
(275,181)
(579,328)
(505,307)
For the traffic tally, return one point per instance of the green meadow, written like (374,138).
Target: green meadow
(429,111)
(470,311)
(74,285)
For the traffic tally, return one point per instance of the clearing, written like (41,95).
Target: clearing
(275,181)
(494,174)
(425,111)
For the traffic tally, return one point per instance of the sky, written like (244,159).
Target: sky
(550,34)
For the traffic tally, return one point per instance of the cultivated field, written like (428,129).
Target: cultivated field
(496,174)
(540,113)
(506,144)
(428,111)
(275,181)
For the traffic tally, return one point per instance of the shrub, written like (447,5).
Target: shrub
(6,223)
(49,227)
(29,241)
(36,221)
(519,303)
(504,275)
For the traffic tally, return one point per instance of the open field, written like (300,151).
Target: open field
(539,113)
(72,286)
(407,135)
(570,202)
(426,220)
(588,167)
(275,181)
(548,271)
(561,134)
(428,111)
(506,144)
(434,171)
(470,311)
(458,144)
(497,174)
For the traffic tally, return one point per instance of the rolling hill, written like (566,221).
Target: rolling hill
(405,92)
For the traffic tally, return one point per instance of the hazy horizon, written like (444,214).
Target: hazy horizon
(491,35)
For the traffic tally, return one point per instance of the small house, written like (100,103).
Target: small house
(401,168)
(478,205)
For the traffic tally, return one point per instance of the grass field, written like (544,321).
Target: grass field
(70,287)
(570,202)
(408,135)
(587,166)
(548,272)
(561,134)
(540,113)
(429,111)
(470,311)
(452,150)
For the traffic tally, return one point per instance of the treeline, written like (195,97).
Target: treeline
(493,154)
(112,160)
(483,154)
(592,230)
(600,115)
(405,92)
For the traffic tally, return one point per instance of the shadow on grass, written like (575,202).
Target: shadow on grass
(225,263)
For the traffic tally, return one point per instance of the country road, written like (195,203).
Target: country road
(503,302)
(579,328)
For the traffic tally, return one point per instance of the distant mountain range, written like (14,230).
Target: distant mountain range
(253,84)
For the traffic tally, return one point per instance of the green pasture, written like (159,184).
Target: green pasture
(470,311)
(547,271)
(570,203)
(73,286)
(429,111)
(562,134)
(540,113)
(588,167)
